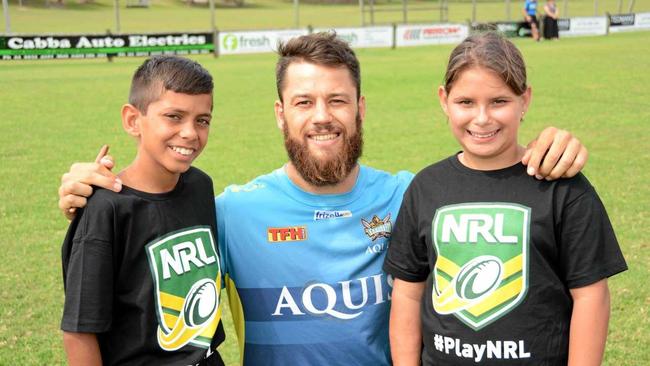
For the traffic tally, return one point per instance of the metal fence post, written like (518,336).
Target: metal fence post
(362,11)
(631,7)
(213,28)
(5,9)
(473,11)
(116,4)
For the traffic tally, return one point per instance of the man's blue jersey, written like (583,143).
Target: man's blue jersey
(531,7)
(304,272)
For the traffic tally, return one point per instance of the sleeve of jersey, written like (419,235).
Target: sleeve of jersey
(220,205)
(589,251)
(407,254)
(89,270)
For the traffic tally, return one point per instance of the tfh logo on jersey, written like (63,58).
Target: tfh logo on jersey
(481,272)
(281,234)
(187,277)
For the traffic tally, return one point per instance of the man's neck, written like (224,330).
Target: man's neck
(345,186)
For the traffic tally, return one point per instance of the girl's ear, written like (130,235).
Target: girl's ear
(442,97)
(527,97)
(131,120)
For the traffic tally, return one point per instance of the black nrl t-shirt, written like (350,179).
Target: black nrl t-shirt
(141,271)
(499,252)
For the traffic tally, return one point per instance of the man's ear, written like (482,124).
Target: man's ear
(131,120)
(362,108)
(279,114)
(442,97)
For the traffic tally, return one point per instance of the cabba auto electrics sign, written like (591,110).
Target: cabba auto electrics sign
(93,46)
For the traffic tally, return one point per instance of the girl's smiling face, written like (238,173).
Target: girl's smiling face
(484,115)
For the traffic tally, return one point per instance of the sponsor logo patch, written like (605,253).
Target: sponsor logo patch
(286,234)
(481,271)
(343,300)
(377,228)
(327,215)
(187,278)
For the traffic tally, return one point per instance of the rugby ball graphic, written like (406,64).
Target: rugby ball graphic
(200,303)
(479,277)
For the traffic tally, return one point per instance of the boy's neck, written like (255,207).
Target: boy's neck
(145,178)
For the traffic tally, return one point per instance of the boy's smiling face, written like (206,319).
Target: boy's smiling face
(172,133)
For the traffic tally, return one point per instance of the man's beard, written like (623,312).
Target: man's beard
(328,170)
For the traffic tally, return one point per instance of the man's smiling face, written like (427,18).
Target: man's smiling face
(321,119)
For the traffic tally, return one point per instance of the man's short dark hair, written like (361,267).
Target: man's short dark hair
(160,73)
(321,49)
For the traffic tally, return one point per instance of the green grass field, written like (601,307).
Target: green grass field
(57,112)
(175,15)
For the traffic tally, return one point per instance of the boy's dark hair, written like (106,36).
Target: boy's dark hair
(160,73)
(492,51)
(322,48)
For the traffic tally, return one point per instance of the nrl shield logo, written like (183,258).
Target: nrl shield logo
(481,272)
(185,269)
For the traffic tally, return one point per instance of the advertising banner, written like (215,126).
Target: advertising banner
(508,29)
(255,41)
(582,26)
(642,21)
(629,22)
(364,37)
(26,47)
(429,34)
(514,29)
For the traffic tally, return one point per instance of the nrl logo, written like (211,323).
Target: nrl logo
(187,279)
(481,271)
(377,228)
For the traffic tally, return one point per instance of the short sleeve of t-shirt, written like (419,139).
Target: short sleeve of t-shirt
(407,254)
(88,269)
(589,250)
(219,203)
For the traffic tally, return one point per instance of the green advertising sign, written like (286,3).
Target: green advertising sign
(93,46)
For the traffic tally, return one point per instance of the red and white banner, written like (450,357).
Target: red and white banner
(430,34)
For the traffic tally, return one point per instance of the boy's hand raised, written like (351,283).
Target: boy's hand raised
(555,154)
(76,183)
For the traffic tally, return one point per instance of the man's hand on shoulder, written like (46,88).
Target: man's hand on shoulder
(76,184)
(555,154)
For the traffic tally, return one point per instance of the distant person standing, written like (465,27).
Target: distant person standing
(530,14)
(551,13)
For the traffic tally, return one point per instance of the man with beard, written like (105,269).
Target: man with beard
(302,247)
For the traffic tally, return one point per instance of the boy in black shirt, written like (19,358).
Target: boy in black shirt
(141,268)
